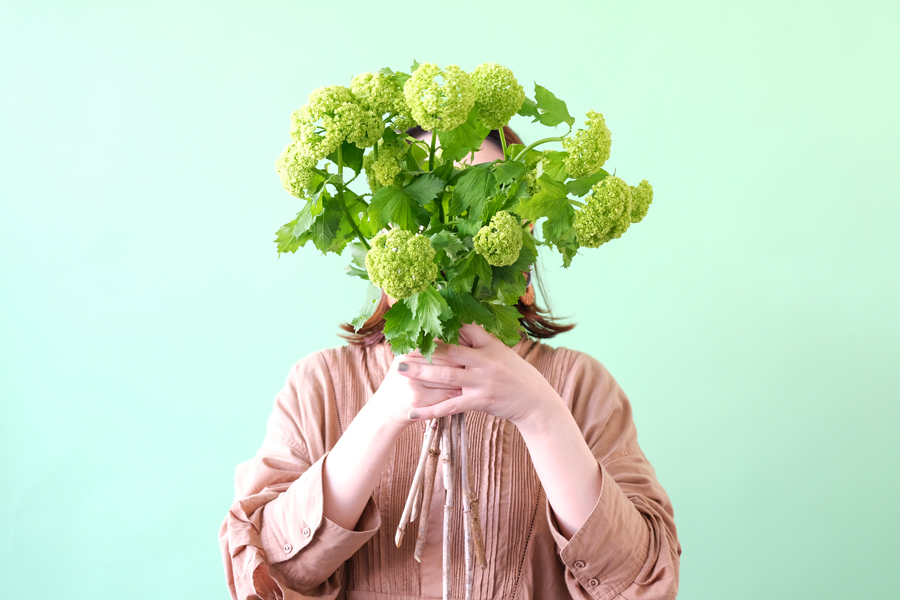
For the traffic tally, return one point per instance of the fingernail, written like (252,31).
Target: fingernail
(413,414)
(403,367)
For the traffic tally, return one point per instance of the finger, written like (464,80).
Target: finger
(444,408)
(426,401)
(452,376)
(476,335)
(459,355)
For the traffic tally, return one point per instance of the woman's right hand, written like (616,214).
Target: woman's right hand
(398,395)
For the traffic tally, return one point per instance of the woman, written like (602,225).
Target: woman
(570,506)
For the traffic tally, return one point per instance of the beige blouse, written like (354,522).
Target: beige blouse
(277,544)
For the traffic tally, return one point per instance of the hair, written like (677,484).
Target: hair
(538,322)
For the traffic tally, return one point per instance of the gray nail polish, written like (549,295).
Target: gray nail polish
(413,414)
(403,367)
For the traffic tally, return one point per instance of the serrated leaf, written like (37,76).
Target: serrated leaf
(472,190)
(464,139)
(580,187)
(466,308)
(399,320)
(462,274)
(351,155)
(325,230)
(424,188)
(355,271)
(426,346)
(549,201)
(285,240)
(552,111)
(555,165)
(428,307)
(358,254)
(505,323)
(414,66)
(449,243)
(390,204)
(373,297)
(444,172)
(506,172)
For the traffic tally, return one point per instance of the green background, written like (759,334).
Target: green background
(147,324)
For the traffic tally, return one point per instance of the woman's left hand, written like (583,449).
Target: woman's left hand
(495,380)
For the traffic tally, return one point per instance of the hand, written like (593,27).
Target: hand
(398,395)
(495,379)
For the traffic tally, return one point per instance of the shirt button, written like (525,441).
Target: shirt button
(579,564)
(306,532)
(288,548)
(593,583)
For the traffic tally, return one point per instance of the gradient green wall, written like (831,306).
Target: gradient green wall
(146,323)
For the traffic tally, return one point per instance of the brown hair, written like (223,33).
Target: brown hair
(537,321)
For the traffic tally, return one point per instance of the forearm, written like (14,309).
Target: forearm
(354,465)
(567,468)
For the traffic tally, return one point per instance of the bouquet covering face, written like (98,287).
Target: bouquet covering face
(451,241)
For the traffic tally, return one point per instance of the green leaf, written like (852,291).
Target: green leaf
(373,296)
(529,109)
(506,172)
(464,139)
(390,204)
(466,308)
(352,155)
(450,243)
(472,190)
(512,274)
(505,322)
(285,240)
(428,307)
(549,201)
(426,345)
(462,274)
(355,271)
(552,111)
(424,188)
(556,166)
(414,66)
(444,172)
(580,187)
(399,320)
(358,254)
(325,230)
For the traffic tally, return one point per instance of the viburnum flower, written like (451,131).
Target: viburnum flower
(497,94)
(295,168)
(606,215)
(401,263)
(641,197)
(382,95)
(589,148)
(500,241)
(330,117)
(385,170)
(435,106)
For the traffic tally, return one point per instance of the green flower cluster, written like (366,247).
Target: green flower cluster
(385,170)
(641,197)
(439,106)
(401,263)
(383,95)
(500,241)
(589,148)
(295,168)
(498,95)
(611,208)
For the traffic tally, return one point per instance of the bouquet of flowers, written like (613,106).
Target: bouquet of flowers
(449,240)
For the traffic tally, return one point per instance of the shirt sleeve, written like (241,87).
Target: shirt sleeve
(275,541)
(628,546)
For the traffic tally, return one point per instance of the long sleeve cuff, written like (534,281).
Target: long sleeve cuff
(609,549)
(300,542)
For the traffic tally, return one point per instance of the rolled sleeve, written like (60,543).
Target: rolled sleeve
(608,550)
(301,542)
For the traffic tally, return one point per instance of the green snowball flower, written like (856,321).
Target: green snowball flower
(295,168)
(497,94)
(436,106)
(589,148)
(325,100)
(385,170)
(606,215)
(641,197)
(401,263)
(500,241)
(358,125)
(382,95)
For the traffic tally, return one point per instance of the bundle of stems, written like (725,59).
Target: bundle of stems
(446,437)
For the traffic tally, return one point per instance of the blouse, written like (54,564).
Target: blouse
(277,544)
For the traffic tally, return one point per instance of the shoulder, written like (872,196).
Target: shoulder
(570,367)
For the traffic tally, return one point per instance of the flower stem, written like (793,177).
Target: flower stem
(503,143)
(431,154)
(343,204)
(538,143)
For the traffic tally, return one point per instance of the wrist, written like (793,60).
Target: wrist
(377,413)
(548,413)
